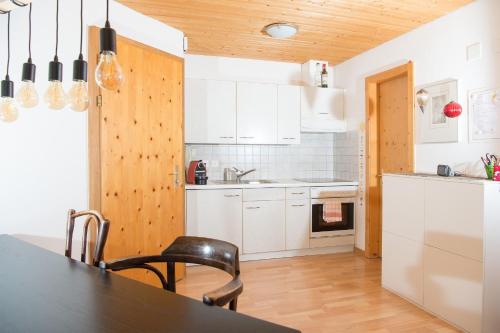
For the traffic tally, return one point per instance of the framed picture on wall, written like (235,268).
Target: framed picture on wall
(484,115)
(432,125)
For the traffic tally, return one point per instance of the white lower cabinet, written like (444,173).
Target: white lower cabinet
(263,226)
(453,288)
(215,214)
(297,224)
(402,266)
(439,264)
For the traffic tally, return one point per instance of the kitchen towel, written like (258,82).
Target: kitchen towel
(332,212)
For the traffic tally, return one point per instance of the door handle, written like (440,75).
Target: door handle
(176,176)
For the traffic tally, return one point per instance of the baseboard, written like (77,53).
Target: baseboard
(297,253)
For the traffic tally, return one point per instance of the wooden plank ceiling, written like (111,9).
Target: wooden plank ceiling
(332,30)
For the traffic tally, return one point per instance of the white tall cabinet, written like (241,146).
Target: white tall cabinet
(210,111)
(432,246)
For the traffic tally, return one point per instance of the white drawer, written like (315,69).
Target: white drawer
(263,194)
(297,193)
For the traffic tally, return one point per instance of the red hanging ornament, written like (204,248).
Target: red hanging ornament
(452,110)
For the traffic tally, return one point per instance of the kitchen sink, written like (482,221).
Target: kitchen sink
(245,182)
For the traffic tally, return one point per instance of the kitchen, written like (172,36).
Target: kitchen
(271,144)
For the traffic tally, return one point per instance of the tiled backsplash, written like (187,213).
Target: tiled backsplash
(320,155)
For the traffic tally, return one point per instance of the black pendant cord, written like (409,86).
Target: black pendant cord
(8,46)
(81,30)
(57,29)
(107,25)
(29,35)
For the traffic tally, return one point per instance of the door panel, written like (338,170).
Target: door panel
(257,113)
(137,163)
(288,115)
(210,114)
(215,214)
(389,141)
(263,226)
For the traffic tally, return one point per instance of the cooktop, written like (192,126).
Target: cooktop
(321,180)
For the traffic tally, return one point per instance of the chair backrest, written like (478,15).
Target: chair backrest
(204,251)
(102,227)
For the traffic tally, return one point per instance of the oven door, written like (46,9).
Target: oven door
(332,217)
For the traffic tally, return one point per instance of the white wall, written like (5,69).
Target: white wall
(43,156)
(438,50)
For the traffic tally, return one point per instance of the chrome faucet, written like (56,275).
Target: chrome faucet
(240,173)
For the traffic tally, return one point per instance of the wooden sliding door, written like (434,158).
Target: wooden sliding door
(389,141)
(137,153)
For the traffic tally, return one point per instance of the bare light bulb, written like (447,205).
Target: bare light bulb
(108,74)
(27,97)
(78,96)
(8,110)
(55,97)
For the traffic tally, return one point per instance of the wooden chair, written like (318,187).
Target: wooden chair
(195,250)
(102,234)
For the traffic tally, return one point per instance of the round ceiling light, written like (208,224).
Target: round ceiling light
(281,30)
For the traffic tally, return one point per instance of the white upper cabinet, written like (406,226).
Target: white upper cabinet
(288,114)
(210,115)
(257,115)
(322,110)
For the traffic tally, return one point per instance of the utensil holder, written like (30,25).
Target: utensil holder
(489,171)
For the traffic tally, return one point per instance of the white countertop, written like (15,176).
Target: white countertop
(277,183)
(458,179)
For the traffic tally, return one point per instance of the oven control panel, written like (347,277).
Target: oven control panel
(334,192)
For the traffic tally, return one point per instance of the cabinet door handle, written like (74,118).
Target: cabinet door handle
(297,193)
(231,195)
(323,113)
(288,138)
(226,137)
(298,205)
(256,207)
(247,137)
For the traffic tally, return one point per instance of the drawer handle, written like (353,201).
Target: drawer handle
(247,137)
(288,138)
(256,207)
(226,137)
(231,195)
(297,193)
(298,205)
(323,113)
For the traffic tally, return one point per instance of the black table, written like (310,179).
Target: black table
(41,291)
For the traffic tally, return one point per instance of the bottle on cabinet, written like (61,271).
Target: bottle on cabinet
(324,77)
(317,75)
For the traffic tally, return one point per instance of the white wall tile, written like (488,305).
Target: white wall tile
(320,155)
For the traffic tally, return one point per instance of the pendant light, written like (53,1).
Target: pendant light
(55,96)
(78,94)
(27,96)
(8,109)
(108,73)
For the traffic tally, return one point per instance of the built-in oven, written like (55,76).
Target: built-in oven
(333,211)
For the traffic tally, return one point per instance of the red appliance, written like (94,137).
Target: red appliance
(197,173)
(452,109)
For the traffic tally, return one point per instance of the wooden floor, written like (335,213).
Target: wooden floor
(318,294)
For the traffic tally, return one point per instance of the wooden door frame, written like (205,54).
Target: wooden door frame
(373,229)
